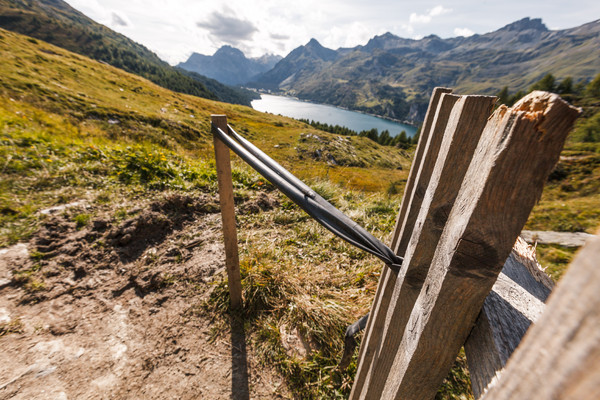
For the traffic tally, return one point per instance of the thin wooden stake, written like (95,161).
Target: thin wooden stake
(223,164)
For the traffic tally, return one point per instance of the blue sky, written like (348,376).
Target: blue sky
(176,28)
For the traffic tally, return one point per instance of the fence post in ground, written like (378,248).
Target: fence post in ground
(223,165)
(467,206)
(458,123)
(517,151)
(431,134)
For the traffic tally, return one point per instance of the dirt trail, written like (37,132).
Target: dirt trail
(112,311)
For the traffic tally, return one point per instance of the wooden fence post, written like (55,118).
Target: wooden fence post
(471,200)
(517,151)
(223,165)
(458,124)
(431,134)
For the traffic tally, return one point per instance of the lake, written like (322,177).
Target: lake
(331,115)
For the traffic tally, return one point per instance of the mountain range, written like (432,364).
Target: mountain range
(393,76)
(56,22)
(229,65)
(388,76)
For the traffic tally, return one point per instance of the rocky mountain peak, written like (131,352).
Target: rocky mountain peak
(229,51)
(526,24)
(314,43)
(315,49)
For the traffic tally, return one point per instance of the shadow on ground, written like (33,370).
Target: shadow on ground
(239,361)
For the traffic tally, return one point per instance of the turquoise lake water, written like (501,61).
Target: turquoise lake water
(331,115)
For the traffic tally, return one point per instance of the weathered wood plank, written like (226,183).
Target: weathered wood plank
(223,164)
(517,151)
(559,358)
(431,132)
(515,302)
(449,164)
(431,120)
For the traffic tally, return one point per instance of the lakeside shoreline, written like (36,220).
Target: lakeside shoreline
(405,122)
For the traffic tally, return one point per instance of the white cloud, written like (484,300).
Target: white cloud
(439,10)
(415,20)
(277,26)
(426,18)
(226,27)
(348,36)
(466,32)
(419,18)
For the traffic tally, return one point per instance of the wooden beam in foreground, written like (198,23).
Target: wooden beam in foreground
(559,357)
(518,149)
(448,165)
(431,136)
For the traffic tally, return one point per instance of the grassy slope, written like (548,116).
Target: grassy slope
(72,128)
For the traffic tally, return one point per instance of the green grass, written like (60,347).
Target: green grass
(82,220)
(72,129)
(13,326)
(30,279)
(297,274)
(555,259)
(570,201)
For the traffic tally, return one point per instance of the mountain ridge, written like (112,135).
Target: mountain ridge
(392,76)
(229,65)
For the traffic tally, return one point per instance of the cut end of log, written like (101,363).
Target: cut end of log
(538,105)
(535,102)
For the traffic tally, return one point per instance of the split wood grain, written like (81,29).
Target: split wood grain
(223,165)
(518,149)
(516,301)
(447,167)
(431,118)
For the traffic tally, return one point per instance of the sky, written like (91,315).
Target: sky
(174,29)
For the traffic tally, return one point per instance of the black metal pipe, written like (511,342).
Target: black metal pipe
(311,202)
(350,340)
